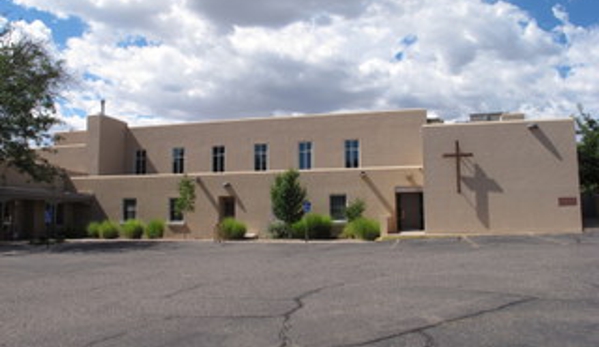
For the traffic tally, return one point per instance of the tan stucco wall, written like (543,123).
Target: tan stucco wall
(386,139)
(106,142)
(252,193)
(512,182)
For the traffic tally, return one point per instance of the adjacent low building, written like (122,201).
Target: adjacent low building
(505,175)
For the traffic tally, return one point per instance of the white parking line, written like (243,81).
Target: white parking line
(549,240)
(472,243)
(395,244)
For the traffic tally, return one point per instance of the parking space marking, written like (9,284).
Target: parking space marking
(548,239)
(395,244)
(471,242)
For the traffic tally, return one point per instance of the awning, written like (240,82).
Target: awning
(24,193)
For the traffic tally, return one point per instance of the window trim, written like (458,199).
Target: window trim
(349,151)
(178,160)
(309,152)
(331,212)
(124,211)
(218,158)
(141,162)
(171,213)
(261,157)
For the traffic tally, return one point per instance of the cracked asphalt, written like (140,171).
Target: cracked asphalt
(477,291)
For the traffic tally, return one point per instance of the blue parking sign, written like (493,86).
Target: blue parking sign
(307,206)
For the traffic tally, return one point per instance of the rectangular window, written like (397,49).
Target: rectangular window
(129,209)
(261,157)
(173,216)
(178,160)
(218,159)
(305,155)
(337,207)
(352,153)
(140,162)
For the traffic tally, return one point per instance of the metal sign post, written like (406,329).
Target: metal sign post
(307,207)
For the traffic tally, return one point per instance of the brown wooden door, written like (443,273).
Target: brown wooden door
(409,211)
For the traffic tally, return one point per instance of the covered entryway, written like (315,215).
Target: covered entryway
(409,209)
(29,213)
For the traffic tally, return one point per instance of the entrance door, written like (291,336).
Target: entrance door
(226,207)
(409,211)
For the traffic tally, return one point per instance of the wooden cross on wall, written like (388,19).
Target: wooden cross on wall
(458,155)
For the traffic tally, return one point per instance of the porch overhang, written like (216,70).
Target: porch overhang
(25,193)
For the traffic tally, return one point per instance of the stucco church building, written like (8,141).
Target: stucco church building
(498,173)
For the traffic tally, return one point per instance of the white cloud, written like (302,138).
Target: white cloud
(236,58)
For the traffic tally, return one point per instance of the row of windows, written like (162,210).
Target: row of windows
(337,205)
(305,157)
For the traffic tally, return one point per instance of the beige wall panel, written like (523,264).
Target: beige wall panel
(386,139)
(252,193)
(512,183)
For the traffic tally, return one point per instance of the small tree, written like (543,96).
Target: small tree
(30,82)
(588,151)
(187,196)
(287,197)
(355,210)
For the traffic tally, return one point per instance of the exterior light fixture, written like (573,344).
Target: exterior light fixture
(532,126)
(363,174)
(227,185)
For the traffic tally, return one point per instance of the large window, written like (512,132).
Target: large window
(338,204)
(178,160)
(129,209)
(305,155)
(140,162)
(173,216)
(261,157)
(218,159)
(352,153)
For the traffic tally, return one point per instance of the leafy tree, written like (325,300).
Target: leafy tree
(187,196)
(588,151)
(355,210)
(30,82)
(287,197)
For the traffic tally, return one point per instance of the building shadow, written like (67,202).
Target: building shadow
(540,135)
(15,249)
(378,194)
(207,193)
(482,185)
(232,192)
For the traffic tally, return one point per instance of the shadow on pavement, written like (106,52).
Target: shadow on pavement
(14,248)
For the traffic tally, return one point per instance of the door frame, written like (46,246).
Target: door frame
(222,210)
(399,191)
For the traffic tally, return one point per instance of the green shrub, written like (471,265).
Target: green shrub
(362,228)
(316,225)
(232,229)
(155,229)
(132,229)
(109,230)
(279,230)
(93,229)
(355,210)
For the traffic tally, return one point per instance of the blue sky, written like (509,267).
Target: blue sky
(170,61)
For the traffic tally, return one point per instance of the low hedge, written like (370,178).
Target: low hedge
(93,230)
(316,225)
(362,228)
(132,229)
(155,229)
(109,229)
(232,229)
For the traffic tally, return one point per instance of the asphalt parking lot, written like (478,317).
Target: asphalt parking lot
(483,291)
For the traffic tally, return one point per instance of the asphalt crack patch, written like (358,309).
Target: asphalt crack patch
(105,339)
(299,304)
(429,341)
